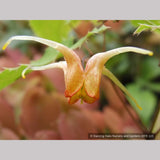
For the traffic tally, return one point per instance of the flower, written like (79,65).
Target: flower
(82,83)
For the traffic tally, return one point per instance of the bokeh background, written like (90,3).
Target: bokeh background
(35,107)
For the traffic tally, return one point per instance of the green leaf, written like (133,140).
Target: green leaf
(149,69)
(119,64)
(146,99)
(149,85)
(10,75)
(141,28)
(49,56)
(144,25)
(79,43)
(98,30)
(153,86)
(149,22)
(55,30)
(73,23)
(91,33)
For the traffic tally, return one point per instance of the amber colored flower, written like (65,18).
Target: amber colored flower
(82,83)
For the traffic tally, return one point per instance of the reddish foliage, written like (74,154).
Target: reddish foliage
(115,25)
(7,119)
(39,111)
(83,28)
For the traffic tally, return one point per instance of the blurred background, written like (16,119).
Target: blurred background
(35,107)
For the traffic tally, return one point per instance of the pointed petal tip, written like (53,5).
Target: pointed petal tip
(5,46)
(7,43)
(140,108)
(150,54)
(23,76)
(24,72)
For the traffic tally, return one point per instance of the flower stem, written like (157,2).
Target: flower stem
(138,123)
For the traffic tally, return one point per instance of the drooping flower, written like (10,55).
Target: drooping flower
(73,70)
(82,83)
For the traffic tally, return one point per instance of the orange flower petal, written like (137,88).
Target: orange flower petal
(74,76)
(95,65)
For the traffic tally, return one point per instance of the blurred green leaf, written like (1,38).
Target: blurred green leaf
(118,64)
(149,85)
(55,30)
(144,25)
(153,86)
(50,55)
(149,68)
(146,99)
(149,22)
(73,23)
(91,33)
(98,30)
(68,42)
(10,75)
